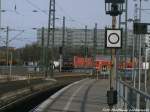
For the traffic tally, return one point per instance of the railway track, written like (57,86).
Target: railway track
(28,102)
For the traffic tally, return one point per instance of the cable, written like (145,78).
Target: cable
(15,8)
(46,12)
(15,37)
(61,9)
(70,18)
(35,6)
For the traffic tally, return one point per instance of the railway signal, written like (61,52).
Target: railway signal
(113,38)
(113,8)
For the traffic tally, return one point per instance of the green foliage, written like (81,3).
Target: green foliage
(30,53)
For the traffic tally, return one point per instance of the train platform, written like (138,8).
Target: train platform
(87,95)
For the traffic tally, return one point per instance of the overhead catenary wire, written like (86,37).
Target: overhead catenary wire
(15,8)
(35,6)
(72,19)
(38,9)
(17,36)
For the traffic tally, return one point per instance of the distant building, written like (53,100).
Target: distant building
(75,42)
(147,40)
(76,38)
(73,37)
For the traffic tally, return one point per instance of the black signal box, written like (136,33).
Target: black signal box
(111,97)
(140,28)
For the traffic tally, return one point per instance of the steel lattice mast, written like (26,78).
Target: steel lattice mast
(51,31)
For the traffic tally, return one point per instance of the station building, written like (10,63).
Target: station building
(147,42)
(75,38)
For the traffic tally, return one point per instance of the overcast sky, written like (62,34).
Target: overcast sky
(78,13)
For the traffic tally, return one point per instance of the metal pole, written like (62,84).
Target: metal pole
(85,55)
(51,29)
(63,34)
(118,60)
(133,55)
(95,46)
(126,33)
(48,40)
(135,46)
(0,18)
(113,57)
(63,44)
(42,50)
(10,72)
(119,25)
(53,37)
(146,69)
(60,62)
(95,40)
(139,64)
(7,37)
(133,63)
(139,86)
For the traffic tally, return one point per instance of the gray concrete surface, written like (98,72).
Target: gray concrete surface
(86,96)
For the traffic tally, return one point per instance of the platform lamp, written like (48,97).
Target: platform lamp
(113,8)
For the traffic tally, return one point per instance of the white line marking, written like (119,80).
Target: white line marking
(72,97)
(47,102)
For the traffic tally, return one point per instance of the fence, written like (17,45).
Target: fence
(132,99)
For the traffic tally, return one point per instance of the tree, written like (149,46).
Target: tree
(30,53)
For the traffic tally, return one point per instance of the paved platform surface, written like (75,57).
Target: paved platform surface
(88,95)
